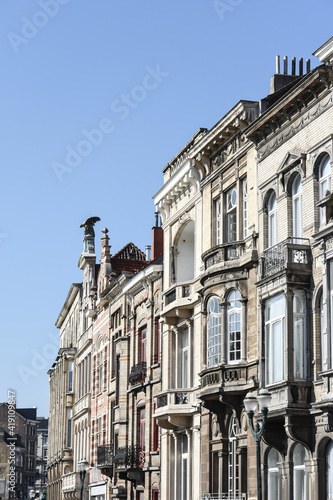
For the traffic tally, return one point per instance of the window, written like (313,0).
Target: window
(142,428)
(70,375)
(233,460)
(274,323)
(184,467)
(213,332)
(69,428)
(299,335)
(273,487)
(117,378)
(324,180)
(244,188)
(234,326)
(231,212)
(155,495)
(184,367)
(155,433)
(271,221)
(329,470)
(217,213)
(185,253)
(299,473)
(296,193)
(143,344)
(157,341)
(100,371)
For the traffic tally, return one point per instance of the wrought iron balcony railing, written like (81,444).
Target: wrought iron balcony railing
(130,457)
(138,373)
(291,252)
(104,455)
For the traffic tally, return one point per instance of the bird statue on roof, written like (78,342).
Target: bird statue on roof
(89,226)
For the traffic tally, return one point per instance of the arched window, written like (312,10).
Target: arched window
(234,314)
(296,194)
(233,460)
(299,473)
(213,332)
(185,253)
(324,181)
(273,487)
(299,335)
(271,221)
(329,470)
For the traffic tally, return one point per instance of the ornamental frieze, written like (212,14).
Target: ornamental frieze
(296,126)
(229,150)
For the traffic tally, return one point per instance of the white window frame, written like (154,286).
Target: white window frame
(244,206)
(184,358)
(218,220)
(184,467)
(234,318)
(233,460)
(273,473)
(231,214)
(324,185)
(297,219)
(299,328)
(214,332)
(271,220)
(275,366)
(299,475)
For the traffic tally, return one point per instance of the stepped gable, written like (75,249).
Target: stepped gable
(129,259)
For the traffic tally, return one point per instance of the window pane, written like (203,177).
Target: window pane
(231,210)
(214,332)
(299,473)
(274,314)
(271,219)
(330,471)
(273,475)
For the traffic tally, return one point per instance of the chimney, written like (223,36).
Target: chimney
(157,247)
(280,80)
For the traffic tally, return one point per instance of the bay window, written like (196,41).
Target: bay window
(275,341)
(299,335)
(213,332)
(234,326)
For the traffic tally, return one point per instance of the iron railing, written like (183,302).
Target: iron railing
(138,373)
(289,252)
(104,455)
(131,457)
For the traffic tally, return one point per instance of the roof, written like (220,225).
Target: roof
(130,251)
(28,413)
(129,259)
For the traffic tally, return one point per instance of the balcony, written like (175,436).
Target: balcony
(70,482)
(174,408)
(223,496)
(179,300)
(292,254)
(83,404)
(138,373)
(129,457)
(232,380)
(105,459)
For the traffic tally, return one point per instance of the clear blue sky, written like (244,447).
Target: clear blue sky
(148,74)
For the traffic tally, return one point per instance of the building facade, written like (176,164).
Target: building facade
(168,349)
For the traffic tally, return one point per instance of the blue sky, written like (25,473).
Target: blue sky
(95,98)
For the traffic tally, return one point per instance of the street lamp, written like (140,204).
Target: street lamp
(83,466)
(250,402)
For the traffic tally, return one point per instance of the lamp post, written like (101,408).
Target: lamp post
(83,467)
(250,402)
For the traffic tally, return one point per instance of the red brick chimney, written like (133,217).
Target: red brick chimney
(157,246)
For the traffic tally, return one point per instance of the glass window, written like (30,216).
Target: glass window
(296,193)
(273,487)
(299,335)
(234,326)
(70,375)
(274,323)
(217,210)
(213,332)
(329,471)
(184,467)
(324,179)
(244,186)
(271,221)
(299,473)
(69,428)
(184,358)
(143,347)
(233,460)
(142,428)
(231,211)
